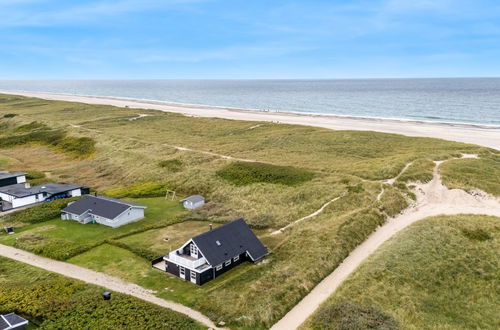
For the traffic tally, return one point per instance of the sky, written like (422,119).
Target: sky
(234,39)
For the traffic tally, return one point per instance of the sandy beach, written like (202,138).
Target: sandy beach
(484,135)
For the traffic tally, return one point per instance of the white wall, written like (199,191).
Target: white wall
(131,215)
(21,179)
(19,202)
(75,193)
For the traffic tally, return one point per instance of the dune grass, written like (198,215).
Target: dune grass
(440,273)
(51,301)
(129,153)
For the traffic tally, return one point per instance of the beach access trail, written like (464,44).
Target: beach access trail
(483,135)
(100,279)
(433,199)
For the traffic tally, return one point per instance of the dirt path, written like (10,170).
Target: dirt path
(315,213)
(432,199)
(93,277)
(392,180)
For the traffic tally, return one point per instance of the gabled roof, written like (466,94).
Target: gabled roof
(194,199)
(9,321)
(8,175)
(19,189)
(101,206)
(229,240)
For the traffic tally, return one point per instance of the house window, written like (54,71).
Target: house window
(193,250)
(227,263)
(182,271)
(219,267)
(236,258)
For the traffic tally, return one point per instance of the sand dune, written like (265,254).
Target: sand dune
(488,136)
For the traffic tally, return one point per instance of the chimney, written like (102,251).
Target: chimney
(210,225)
(27,185)
(95,193)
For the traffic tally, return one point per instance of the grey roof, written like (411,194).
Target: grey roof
(8,175)
(20,190)
(11,320)
(101,206)
(234,238)
(194,199)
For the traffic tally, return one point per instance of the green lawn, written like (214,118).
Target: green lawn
(51,301)
(440,273)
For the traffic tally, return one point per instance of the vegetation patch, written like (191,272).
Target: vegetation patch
(421,170)
(431,275)
(9,115)
(36,214)
(139,190)
(173,165)
(350,316)
(246,173)
(51,301)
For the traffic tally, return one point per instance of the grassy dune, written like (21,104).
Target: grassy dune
(321,164)
(440,273)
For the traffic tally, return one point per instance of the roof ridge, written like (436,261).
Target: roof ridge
(219,228)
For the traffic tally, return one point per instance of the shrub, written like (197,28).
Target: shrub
(477,234)
(9,115)
(350,316)
(245,173)
(356,189)
(138,190)
(33,126)
(82,146)
(38,213)
(173,165)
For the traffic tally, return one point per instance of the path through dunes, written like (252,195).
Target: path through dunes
(93,277)
(432,199)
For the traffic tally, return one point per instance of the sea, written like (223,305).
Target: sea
(449,100)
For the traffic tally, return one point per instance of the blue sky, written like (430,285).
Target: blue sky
(249,39)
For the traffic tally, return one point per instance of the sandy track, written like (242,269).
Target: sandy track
(432,199)
(93,277)
(483,135)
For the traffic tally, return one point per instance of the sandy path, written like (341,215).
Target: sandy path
(432,199)
(109,282)
(483,135)
(315,213)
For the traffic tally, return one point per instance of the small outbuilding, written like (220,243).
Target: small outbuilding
(103,210)
(12,322)
(193,202)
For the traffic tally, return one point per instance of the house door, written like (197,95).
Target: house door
(193,277)
(182,272)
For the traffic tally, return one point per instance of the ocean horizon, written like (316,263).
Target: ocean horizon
(448,100)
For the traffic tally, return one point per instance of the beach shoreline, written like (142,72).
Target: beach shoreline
(480,134)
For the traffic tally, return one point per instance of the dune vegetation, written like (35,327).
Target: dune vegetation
(270,174)
(51,301)
(439,273)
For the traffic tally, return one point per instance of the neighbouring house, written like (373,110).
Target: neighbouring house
(7,179)
(193,202)
(22,194)
(12,322)
(103,210)
(213,253)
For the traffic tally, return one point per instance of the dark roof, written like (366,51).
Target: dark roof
(228,241)
(194,199)
(11,320)
(105,207)
(20,190)
(8,175)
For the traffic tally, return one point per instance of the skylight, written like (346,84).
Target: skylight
(218,243)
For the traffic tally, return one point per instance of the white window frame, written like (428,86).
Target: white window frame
(182,271)
(193,250)
(218,267)
(236,258)
(227,263)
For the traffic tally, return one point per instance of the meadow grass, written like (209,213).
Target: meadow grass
(440,273)
(127,153)
(51,301)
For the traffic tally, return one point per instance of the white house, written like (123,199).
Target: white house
(22,194)
(193,202)
(7,179)
(103,210)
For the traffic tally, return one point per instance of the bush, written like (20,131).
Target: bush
(246,173)
(478,234)
(39,213)
(83,146)
(139,190)
(350,316)
(9,115)
(173,165)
